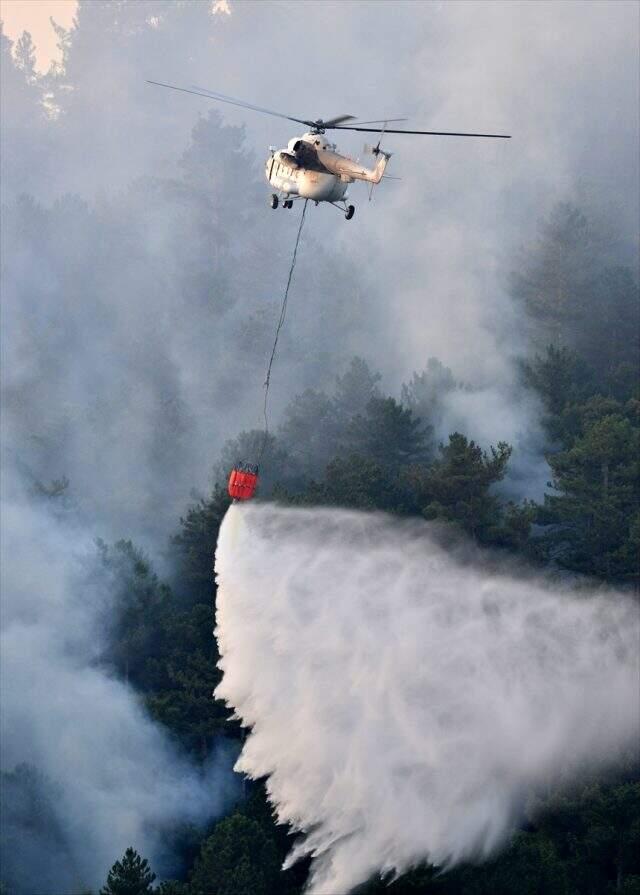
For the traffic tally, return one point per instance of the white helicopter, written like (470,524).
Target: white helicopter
(310,167)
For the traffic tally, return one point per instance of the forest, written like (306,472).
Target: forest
(359,447)
(137,286)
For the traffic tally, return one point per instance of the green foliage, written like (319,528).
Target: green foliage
(608,334)
(597,835)
(424,394)
(256,807)
(597,503)
(172,887)
(514,528)
(310,428)
(164,644)
(358,482)
(130,876)
(376,452)
(456,487)
(549,281)
(185,678)
(530,866)
(561,378)
(359,448)
(578,297)
(140,602)
(239,857)
(389,434)
(354,389)
(314,426)
(193,547)
(25,57)
(574,420)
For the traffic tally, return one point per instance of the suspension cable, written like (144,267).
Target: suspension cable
(283,313)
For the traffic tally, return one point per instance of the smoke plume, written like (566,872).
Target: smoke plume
(106,774)
(403,697)
(142,274)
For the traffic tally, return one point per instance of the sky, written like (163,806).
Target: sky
(34,16)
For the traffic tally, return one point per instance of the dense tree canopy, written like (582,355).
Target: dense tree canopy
(456,486)
(343,440)
(357,447)
(238,857)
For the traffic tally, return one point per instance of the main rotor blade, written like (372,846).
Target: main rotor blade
(337,120)
(375,130)
(331,124)
(220,97)
(381,121)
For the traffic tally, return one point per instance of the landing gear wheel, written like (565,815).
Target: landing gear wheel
(349,213)
(288,203)
(273,201)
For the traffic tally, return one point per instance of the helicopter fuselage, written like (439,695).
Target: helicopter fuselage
(311,168)
(320,186)
(299,171)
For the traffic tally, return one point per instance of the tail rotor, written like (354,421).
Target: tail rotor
(376,151)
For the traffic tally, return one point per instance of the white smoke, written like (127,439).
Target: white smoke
(121,781)
(403,696)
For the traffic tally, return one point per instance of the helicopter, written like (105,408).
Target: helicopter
(311,166)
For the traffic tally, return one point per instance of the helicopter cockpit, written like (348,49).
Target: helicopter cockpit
(316,141)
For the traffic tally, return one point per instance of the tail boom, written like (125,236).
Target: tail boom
(347,168)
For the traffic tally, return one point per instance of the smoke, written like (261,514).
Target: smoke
(403,697)
(436,248)
(142,274)
(116,778)
(145,305)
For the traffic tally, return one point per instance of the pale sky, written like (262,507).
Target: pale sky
(33,16)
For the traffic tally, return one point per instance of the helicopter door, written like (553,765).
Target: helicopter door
(273,161)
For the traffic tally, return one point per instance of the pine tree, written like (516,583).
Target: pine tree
(354,389)
(237,859)
(310,431)
(186,676)
(596,503)
(456,487)
(389,434)
(358,482)
(25,57)
(560,378)
(140,601)
(425,392)
(130,876)
(193,547)
(553,281)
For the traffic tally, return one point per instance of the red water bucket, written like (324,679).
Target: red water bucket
(243,481)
